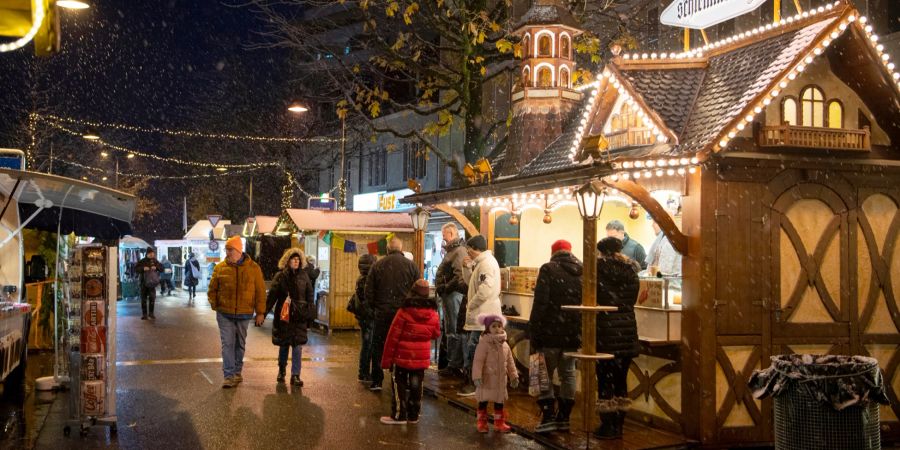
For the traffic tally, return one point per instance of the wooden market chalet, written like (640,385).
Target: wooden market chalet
(784,145)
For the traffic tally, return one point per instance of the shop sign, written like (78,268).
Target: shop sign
(213,246)
(651,292)
(700,14)
(323,203)
(390,201)
(367,202)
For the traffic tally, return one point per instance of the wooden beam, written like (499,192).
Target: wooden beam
(659,214)
(460,217)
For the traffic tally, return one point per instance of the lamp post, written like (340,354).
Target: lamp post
(590,199)
(419,217)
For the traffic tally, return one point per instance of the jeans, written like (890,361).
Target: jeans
(470,345)
(612,379)
(233,333)
(379,335)
(455,341)
(148,298)
(566,366)
(165,285)
(406,400)
(296,354)
(366,327)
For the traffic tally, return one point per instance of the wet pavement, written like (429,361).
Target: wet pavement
(169,396)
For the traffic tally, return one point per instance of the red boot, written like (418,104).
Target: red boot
(482,423)
(500,424)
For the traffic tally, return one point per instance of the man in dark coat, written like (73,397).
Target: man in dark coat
(451,286)
(149,270)
(552,331)
(617,285)
(365,319)
(165,278)
(630,248)
(387,284)
(290,335)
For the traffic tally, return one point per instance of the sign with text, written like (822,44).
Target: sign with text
(700,14)
(326,203)
(390,201)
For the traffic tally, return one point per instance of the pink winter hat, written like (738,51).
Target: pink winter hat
(487,319)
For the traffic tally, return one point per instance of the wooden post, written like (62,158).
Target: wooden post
(687,39)
(589,321)
(776,13)
(419,252)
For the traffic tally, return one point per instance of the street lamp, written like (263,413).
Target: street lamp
(419,217)
(91,135)
(297,108)
(590,199)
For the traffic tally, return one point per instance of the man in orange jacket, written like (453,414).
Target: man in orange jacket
(236,292)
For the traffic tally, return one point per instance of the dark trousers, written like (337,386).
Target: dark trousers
(192,291)
(612,378)
(406,386)
(365,350)
(148,298)
(165,285)
(379,335)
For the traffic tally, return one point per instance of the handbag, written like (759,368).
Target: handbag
(285,315)
(538,378)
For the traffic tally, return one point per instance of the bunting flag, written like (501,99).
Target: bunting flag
(338,242)
(372,247)
(322,234)
(349,246)
(382,246)
(327,238)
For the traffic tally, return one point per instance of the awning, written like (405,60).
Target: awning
(312,219)
(200,230)
(87,209)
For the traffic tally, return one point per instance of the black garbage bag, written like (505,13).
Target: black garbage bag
(835,380)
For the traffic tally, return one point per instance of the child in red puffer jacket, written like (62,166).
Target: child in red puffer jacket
(407,352)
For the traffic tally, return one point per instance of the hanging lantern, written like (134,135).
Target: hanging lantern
(547,217)
(634,213)
(513,219)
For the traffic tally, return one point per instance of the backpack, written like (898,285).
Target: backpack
(151,278)
(353,305)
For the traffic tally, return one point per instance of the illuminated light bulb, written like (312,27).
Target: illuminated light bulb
(808,60)
(757,110)
(829,7)
(636,175)
(692,169)
(842,27)
(681,171)
(740,126)
(863,19)
(556,190)
(480,201)
(723,143)
(661,163)
(826,42)
(583,121)
(890,66)
(650,164)
(769,27)
(594,93)
(879,47)
(638,164)
(653,55)
(749,118)
(851,18)
(644,56)
(625,175)
(820,10)
(648,174)
(673,162)
(896,75)
(612,77)
(817,51)
(731,134)
(626,56)
(783,84)
(626,165)
(670,172)
(801,67)
(694,160)
(615,177)
(683,161)
(885,57)
(805,14)
(792,76)
(664,56)
(659,172)
(775,92)
(566,192)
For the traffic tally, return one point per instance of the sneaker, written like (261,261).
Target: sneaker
(375,387)
(413,421)
(363,379)
(466,391)
(388,420)
(451,372)
(237,379)
(228,383)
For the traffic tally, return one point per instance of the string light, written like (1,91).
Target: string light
(129,152)
(37,21)
(158,177)
(183,133)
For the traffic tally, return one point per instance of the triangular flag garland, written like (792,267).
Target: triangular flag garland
(378,247)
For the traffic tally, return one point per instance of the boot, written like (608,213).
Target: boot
(281,373)
(562,415)
(548,419)
(620,422)
(500,424)
(482,423)
(608,427)
(296,381)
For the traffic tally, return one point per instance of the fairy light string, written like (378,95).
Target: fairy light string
(182,133)
(158,177)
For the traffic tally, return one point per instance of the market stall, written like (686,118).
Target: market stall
(207,243)
(336,239)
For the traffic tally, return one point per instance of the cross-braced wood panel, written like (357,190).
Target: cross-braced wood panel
(647,381)
(736,407)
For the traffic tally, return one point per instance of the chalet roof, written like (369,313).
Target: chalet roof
(544,12)
(557,155)
(312,219)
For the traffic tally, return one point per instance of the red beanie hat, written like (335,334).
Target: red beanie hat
(421,288)
(561,244)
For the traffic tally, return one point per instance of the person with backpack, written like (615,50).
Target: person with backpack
(148,269)
(191,276)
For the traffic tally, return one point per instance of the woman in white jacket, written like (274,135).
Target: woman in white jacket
(483,273)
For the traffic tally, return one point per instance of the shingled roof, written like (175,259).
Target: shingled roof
(544,12)
(556,155)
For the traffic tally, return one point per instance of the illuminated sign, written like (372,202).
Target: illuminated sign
(326,203)
(390,201)
(700,14)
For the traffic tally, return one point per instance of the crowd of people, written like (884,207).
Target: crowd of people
(400,318)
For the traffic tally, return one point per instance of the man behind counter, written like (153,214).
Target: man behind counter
(631,248)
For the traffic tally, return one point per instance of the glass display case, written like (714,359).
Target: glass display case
(658,308)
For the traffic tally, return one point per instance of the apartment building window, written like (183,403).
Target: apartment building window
(376,172)
(414,162)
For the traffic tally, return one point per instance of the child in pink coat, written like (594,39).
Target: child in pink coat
(493,367)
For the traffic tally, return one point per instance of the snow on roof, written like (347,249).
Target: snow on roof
(312,219)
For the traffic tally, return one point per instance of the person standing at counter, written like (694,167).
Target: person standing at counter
(552,331)
(630,248)
(451,287)
(617,285)
(662,256)
(483,296)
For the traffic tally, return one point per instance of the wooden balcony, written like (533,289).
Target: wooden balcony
(631,137)
(815,137)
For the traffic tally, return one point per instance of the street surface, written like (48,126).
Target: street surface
(169,395)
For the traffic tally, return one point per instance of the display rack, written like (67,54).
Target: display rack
(90,337)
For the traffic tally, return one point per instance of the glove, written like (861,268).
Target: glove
(514,383)
(477,382)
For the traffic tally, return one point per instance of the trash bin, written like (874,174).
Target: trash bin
(823,402)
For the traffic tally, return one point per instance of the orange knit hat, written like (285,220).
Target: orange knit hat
(236,243)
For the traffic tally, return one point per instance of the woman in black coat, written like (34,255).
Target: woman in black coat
(291,282)
(617,285)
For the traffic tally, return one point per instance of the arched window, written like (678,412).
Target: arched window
(564,46)
(564,77)
(526,48)
(544,45)
(812,107)
(616,123)
(545,77)
(526,77)
(835,114)
(789,111)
